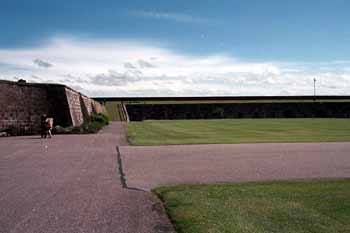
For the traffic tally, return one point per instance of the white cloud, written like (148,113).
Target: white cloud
(177,17)
(132,68)
(145,64)
(42,63)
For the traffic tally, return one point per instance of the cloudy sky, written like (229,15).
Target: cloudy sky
(179,48)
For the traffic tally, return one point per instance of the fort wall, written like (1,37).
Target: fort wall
(139,112)
(22,104)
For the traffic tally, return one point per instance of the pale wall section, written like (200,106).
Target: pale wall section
(75,107)
(22,104)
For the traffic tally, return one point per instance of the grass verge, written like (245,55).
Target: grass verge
(314,206)
(238,131)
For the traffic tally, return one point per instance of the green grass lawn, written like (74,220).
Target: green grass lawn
(316,206)
(238,131)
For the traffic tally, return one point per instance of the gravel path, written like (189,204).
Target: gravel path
(72,184)
(149,167)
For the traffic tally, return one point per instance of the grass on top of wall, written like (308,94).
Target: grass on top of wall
(167,132)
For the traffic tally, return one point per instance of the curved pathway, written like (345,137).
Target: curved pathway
(71,183)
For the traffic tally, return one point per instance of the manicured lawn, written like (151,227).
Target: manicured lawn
(238,131)
(316,206)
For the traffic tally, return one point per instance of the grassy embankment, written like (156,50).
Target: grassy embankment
(316,206)
(114,110)
(238,131)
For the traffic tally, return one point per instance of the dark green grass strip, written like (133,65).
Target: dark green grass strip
(238,131)
(288,207)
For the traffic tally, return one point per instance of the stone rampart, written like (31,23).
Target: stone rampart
(139,112)
(22,104)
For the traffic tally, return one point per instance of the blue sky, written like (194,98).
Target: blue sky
(220,47)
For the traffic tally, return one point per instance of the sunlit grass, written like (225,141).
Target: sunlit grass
(288,207)
(238,131)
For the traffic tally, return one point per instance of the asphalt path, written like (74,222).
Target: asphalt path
(71,183)
(146,167)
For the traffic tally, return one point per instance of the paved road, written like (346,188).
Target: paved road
(71,184)
(148,167)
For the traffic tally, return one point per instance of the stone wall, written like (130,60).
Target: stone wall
(22,104)
(139,112)
(75,107)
